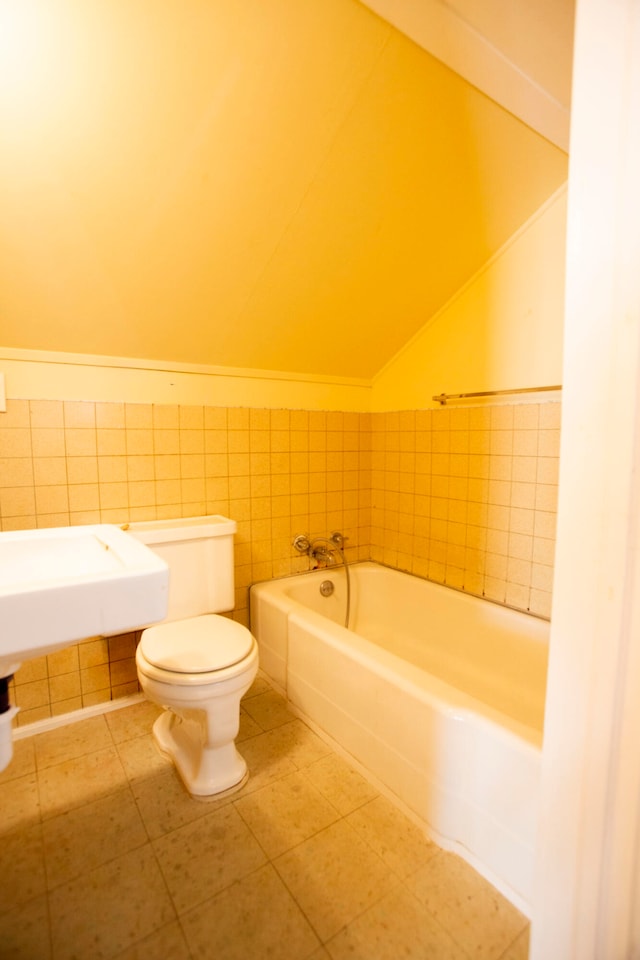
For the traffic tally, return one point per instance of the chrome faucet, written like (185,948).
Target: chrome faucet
(322,549)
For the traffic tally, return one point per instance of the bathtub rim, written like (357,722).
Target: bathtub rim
(339,567)
(445,697)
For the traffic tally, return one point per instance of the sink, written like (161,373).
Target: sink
(63,584)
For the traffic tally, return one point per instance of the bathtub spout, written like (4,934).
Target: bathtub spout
(322,553)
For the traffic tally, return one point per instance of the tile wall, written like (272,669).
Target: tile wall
(276,472)
(466,497)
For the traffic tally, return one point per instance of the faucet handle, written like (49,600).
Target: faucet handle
(338,538)
(302,543)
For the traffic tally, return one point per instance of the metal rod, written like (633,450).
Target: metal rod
(443,397)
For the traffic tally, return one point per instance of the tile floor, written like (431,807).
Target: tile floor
(104,854)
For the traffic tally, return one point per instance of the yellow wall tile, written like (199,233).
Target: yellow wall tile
(32,694)
(54,499)
(48,442)
(95,678)
(114,495)
(63,661)
(46,413)
(64,687)
(79,413)
(16,472)
(110,415)
(81,442)
(138,416)
(93,652)
(16,442)
(112,469)
(139,442)
(110,442)
(166,441)
(82,469)
(215,418)
(549,443)
(142,493)
(216,441)
(16,415)
(191,418)
(36,669)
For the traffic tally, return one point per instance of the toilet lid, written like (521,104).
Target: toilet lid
(199,645)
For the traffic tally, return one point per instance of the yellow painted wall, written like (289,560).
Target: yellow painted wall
(283,185)
(42,375)
(502,330)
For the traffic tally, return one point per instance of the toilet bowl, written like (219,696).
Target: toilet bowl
(197,667)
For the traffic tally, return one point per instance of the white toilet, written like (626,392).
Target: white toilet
(197,664)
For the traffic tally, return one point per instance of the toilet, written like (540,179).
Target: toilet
(197,664)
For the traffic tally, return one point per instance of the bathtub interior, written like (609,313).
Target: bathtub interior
(492,653)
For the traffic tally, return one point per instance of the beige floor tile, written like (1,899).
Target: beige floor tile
(248,727)
(398,841)
(480,919)
(20,803)
(141,757)
(334,876)
(133,721)
(168,943)
(25,932)
(72,741)
(339,783)
(109,909)
(81,780)
(268,709)
(78,804)
(265,762)
(23,761)
(254,918)
(285,813)
(519,949)
(297,742)
(22,873)
(259,685)
(396,926)
(164,803)
(82,839)
(203,858)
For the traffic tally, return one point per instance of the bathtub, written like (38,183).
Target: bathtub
(437,694)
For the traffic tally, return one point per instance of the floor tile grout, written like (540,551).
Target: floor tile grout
(285,754)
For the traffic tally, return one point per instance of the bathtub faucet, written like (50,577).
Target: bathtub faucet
(322,549)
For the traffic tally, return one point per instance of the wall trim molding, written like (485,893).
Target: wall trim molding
(165,366)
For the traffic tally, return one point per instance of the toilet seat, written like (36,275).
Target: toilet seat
(196,650)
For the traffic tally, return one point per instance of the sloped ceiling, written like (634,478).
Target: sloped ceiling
(518,52)
(278,185)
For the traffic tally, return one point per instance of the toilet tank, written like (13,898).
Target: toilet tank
(199,554)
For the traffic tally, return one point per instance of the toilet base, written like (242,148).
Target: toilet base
(208,772)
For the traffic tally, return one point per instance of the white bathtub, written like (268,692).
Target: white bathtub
(438,694)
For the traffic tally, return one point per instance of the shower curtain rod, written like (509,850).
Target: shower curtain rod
(443,397)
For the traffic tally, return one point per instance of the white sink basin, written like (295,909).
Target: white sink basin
(63,584)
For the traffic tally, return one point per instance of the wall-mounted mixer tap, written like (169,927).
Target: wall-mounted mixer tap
(322,549)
